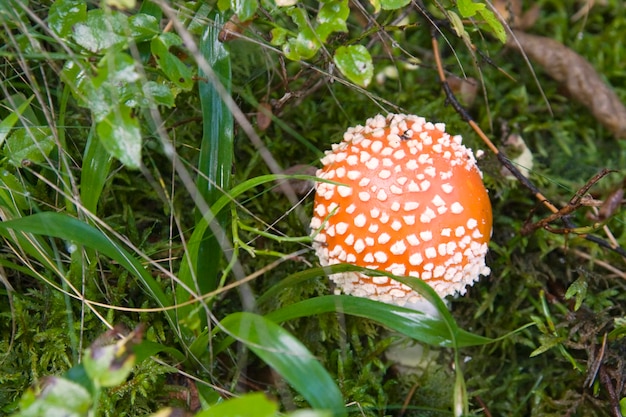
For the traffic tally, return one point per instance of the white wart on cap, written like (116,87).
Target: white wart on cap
(411,202)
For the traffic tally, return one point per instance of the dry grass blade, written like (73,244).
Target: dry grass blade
(579,78)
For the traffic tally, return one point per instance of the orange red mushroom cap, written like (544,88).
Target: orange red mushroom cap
(411,202)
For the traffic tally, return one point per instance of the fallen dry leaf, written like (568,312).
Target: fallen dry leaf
(578,77)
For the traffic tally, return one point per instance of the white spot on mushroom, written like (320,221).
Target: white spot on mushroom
(380,280)
(341,172)
(364,182)
(377,146)
(399,154)
(382,195)
(352,161)
(349,240)
(364,157)
(438,201)
(398,248)
(411,205)
(397,269)
(413,187)
(341,228)
(459,231)
(364,196)
(412,165)
(431,171)
(412,239)
(447,188)
(425,185)
(374,212)
(395,189)
(351,208)
(426,235)
(416,259)
(384,238)
(320,210)
(359,246)
(402,180)
(372,163)
(344,191)
(439,271)
(380,256)
(456,208)
(395,206)
(396,225)
(427,215)
(384,174)
(360,220)
(430,252)
(373,228)
(354,175)
(472,223)
(384,218)
(369,258)
(409,220)
(446,231)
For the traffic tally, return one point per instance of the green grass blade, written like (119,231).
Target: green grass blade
(412,323)
(7,124)
(216,152)
(289,357)
(94,173)
(71,229)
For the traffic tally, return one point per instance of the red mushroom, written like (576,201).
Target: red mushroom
(411,202)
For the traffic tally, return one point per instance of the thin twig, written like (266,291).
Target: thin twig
(501,156)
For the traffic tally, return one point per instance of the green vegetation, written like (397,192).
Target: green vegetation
(142,149)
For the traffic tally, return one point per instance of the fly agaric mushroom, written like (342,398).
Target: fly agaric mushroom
(411,202)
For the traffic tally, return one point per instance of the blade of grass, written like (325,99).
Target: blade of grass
(289,357)
(7,124)
(414,324)
(94,173)
(216,152)
(71,229)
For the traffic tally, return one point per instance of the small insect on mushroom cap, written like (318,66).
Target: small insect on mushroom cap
(409,199)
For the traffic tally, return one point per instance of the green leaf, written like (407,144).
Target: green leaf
(13,192)
(244,9)
(467,8)
(120,134)
(156,94)
(288,356)
(173,68)
(64,14)
(579,290)
(355,63)
(393,4)
(60,397)
(254,404)
(31,144)
(494,24)
(101,30)
(109,365)
(143,27)
(279,36)
(332,18)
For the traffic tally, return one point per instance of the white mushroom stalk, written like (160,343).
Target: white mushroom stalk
(411,202)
